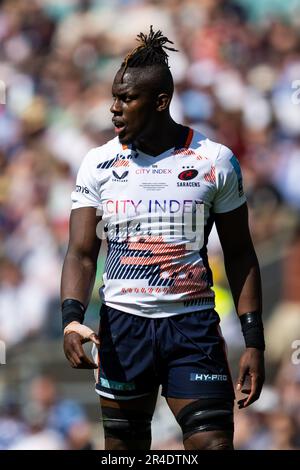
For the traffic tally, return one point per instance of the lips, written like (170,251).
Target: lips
(119,126)
(118,130)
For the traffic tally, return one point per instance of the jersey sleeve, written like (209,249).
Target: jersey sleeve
(229,181)
(86,192)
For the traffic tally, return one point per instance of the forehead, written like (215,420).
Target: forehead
(131,81)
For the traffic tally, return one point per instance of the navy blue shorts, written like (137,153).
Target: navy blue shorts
(185,354)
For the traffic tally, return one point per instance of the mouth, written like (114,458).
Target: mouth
(119,126)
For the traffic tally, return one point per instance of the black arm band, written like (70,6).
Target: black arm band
(253,330)
(72,310)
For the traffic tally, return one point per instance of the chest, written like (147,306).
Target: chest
(169,184)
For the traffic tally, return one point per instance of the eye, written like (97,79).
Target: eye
(127,98)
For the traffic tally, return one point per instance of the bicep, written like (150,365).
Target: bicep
(233,231)
(83,239)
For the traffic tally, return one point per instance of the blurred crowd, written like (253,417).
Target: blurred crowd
(237,77)
(43,420)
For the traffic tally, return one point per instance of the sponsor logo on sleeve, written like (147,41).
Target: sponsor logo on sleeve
(81,189)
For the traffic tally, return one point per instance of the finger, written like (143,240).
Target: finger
(241,403)
(75,335)
(254,393)
(73,358)
(242,376)
(70,353)
(84,361)
(85,365)
(79,361)
(75,352)
(95,339)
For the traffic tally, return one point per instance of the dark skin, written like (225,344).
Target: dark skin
(78,277)
(142,116)
(145,115)
(243,274)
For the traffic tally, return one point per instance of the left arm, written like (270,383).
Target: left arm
(243,275)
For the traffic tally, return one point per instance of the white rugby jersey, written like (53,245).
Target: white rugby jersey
(157,213)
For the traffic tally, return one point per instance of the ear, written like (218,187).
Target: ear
(162,102)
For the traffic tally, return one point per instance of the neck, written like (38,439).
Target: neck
(163,136)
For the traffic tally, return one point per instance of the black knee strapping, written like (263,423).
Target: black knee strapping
(126,424)
(206,415)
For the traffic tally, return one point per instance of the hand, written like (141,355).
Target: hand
(251,365)
(75,335)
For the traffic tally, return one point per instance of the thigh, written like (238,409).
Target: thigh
(125,357)
(205,425)
(195,362)
(127,423)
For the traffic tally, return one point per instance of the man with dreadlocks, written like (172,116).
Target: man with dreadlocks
(151,186)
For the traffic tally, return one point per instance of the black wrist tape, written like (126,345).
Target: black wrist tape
(253,330)
(72,310)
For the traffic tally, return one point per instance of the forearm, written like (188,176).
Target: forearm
(243,274)
(245,282)
(78,277)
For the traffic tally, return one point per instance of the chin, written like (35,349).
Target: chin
(129,138)
(125,139)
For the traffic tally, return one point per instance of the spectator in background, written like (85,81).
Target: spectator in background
(45,421)
(17,323)
(283,326)
(283,431)
(38,436)
(288,384)
(65,417)
(12,427)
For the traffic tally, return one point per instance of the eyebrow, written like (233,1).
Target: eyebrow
(124,92)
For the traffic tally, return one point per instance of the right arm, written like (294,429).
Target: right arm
(78,277)
(79,269)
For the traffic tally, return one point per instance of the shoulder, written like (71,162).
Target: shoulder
(98,155)
(209,149)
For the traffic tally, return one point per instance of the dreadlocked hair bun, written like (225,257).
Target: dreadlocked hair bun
(150,51)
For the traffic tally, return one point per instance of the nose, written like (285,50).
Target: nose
(116,107)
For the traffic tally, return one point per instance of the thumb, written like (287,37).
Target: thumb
(95,339)
(242,377)
(84,331)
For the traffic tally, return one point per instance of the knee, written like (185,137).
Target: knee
(207,424)
(130,428)
(209,441)
(219,443)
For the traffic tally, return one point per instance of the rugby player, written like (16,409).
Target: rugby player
(158,326)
